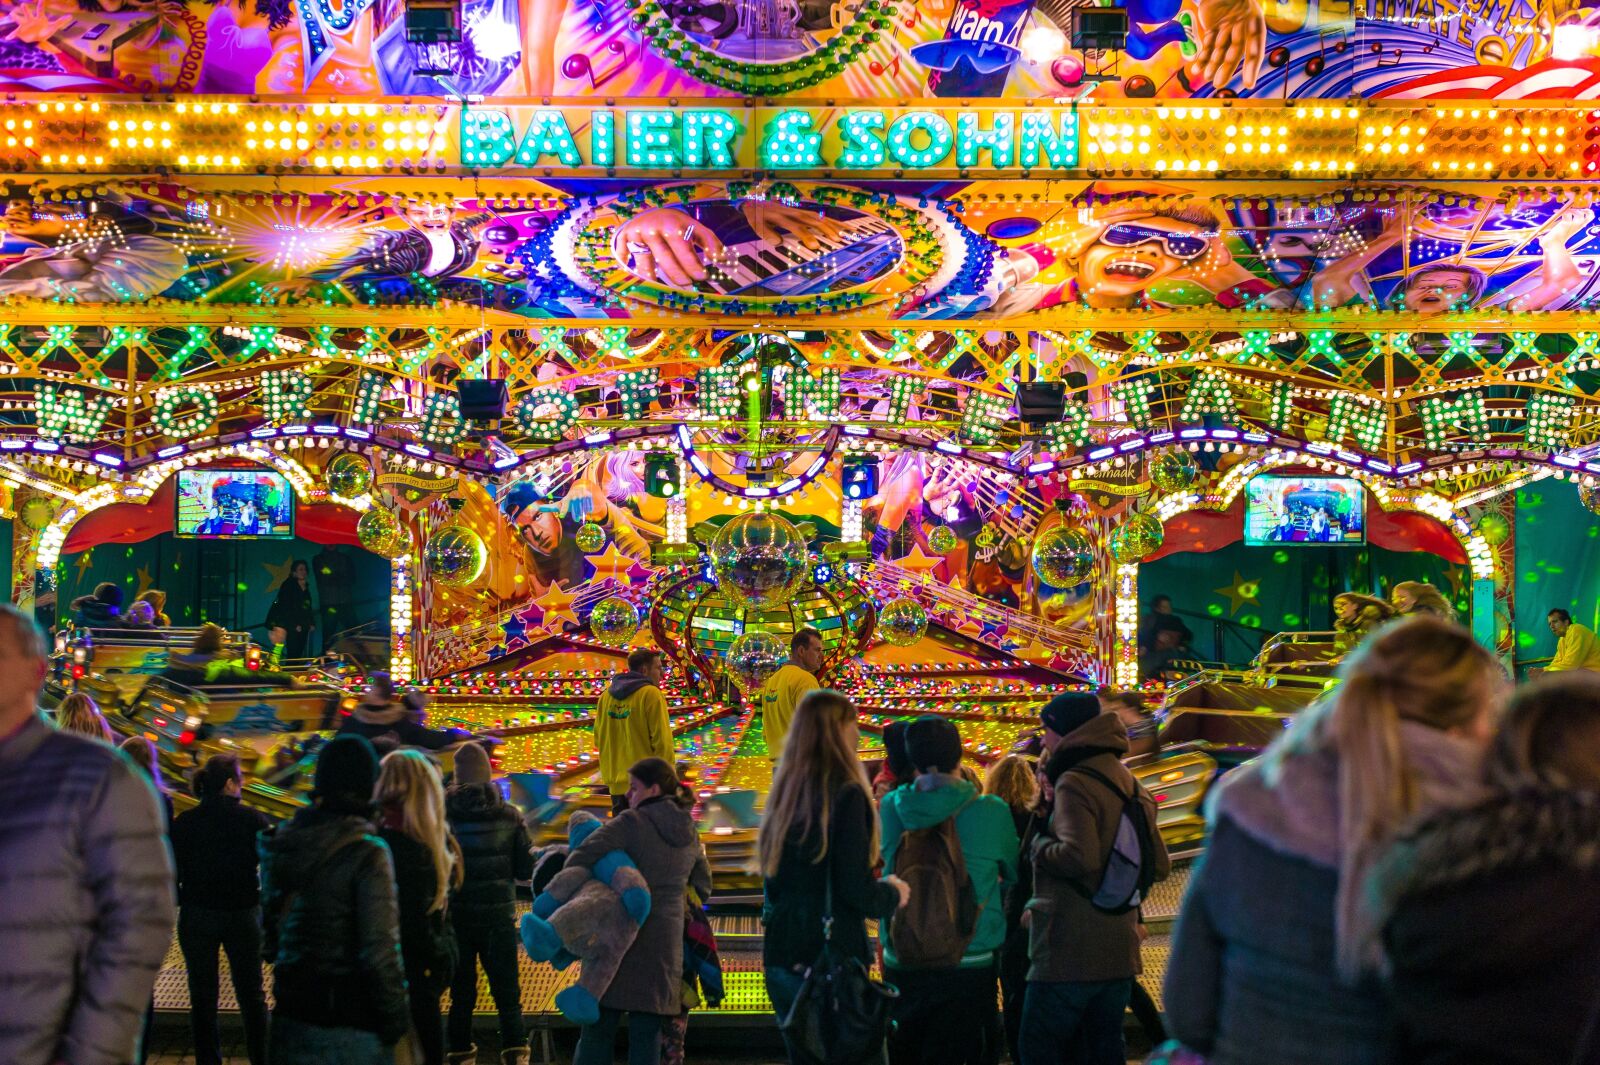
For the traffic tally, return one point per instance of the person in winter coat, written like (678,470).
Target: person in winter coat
(659,834)
(1012,781)
(631,723)
(332,922)
(1083,960)
(819,833)
(947,1014)
(1262,977)
(207,663)
(219,899)
(495,853)
(380,714)
(410,799)
(1492,936)
(292,610)
(101,610)
(85,879)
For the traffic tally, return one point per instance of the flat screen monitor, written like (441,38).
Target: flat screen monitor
(235,504)
(1304,510)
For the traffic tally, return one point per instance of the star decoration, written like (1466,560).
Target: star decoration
(556,604)
(1241,592)
(611,566)
(279,573)
(146,582)
(83,563)
(514,627)
(919,563)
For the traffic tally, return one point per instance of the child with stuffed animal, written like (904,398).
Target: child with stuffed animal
(618,906)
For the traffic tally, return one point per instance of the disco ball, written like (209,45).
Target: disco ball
(347,475)
(1587,496)
(1494,527)
(942,540)
(590,537)
(614,621)
(902,622)
(759,559)
(1137,538)
(1063,557)
(1173,471)
(381,533)
(753,657)
(455,556)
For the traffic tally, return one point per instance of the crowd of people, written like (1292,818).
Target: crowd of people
(1403,877)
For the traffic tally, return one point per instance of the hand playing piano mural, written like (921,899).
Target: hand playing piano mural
(667,244)
(810,228)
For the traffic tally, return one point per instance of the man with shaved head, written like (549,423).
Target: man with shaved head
(86,902)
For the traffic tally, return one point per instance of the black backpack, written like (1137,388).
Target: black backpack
(1130,865)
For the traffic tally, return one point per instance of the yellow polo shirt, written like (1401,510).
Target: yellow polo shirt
(779,696)
(1577,649)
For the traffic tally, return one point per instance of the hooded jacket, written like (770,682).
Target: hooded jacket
(1068,939)
(495,852)
(1493,939)
(94,614)
(330,913)
(393,719)
(630,724)
(988,849)
(661,838)
(1253,977)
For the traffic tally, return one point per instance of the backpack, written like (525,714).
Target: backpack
(932,930)
(1130,867)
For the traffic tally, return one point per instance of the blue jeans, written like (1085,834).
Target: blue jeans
(783,987)
(1074,1023)
(598,1041)
(297,1043)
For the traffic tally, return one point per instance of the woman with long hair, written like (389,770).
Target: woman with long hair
(819,832)
(1260,977)
(81,714)
(1355,616)
(427,864)
(1491,933)
(1415,597)
(658,832)
(143,752)
(1014,780)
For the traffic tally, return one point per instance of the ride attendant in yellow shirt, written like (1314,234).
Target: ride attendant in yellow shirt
(782,691)
(631,723)
(1576,646)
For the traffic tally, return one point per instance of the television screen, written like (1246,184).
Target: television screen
(224,504)
(1304,510)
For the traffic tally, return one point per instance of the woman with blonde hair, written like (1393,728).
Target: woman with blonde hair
(1260,977)
(81,714)
(144,754)
(1491,933)
(427,864)
(819,833)
(1355,616)
(1415,597)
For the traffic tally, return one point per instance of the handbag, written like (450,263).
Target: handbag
(841,1014)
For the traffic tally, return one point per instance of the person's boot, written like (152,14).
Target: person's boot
(514,1056)
(463,1057)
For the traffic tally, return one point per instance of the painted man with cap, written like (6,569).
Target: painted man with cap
(1083,960)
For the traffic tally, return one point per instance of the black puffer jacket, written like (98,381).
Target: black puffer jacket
(332,922)
(495,850)
(427,942)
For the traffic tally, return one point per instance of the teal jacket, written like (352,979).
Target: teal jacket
(988,845)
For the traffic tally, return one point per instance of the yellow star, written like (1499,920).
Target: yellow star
(85,560)
(613,565)
(279,573)
(1240,592)
(146,582)
(919,563)
(556,604)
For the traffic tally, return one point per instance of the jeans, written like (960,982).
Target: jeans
(783,987)
(945,1016)
(598,1041)
(1074,1022)
(201,933)
(298,1043)
(494,942)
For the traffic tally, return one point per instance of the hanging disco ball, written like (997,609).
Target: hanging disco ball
(347,475)
(614,621)
(942,540)
(902,622)
(753,657)
(590,537)
(1587,496)
(1173,471)
(381,533)
(1063,557)
(455,556)
(1494,527)
(759,559)
(1137,538)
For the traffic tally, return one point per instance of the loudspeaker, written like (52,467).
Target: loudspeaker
(481,400)
(1041,402)
(1101,29)
(433,21)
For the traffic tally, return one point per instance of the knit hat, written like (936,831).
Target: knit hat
(894,751)
(472,764)
(933,743)
(347,769)
(1069,711)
